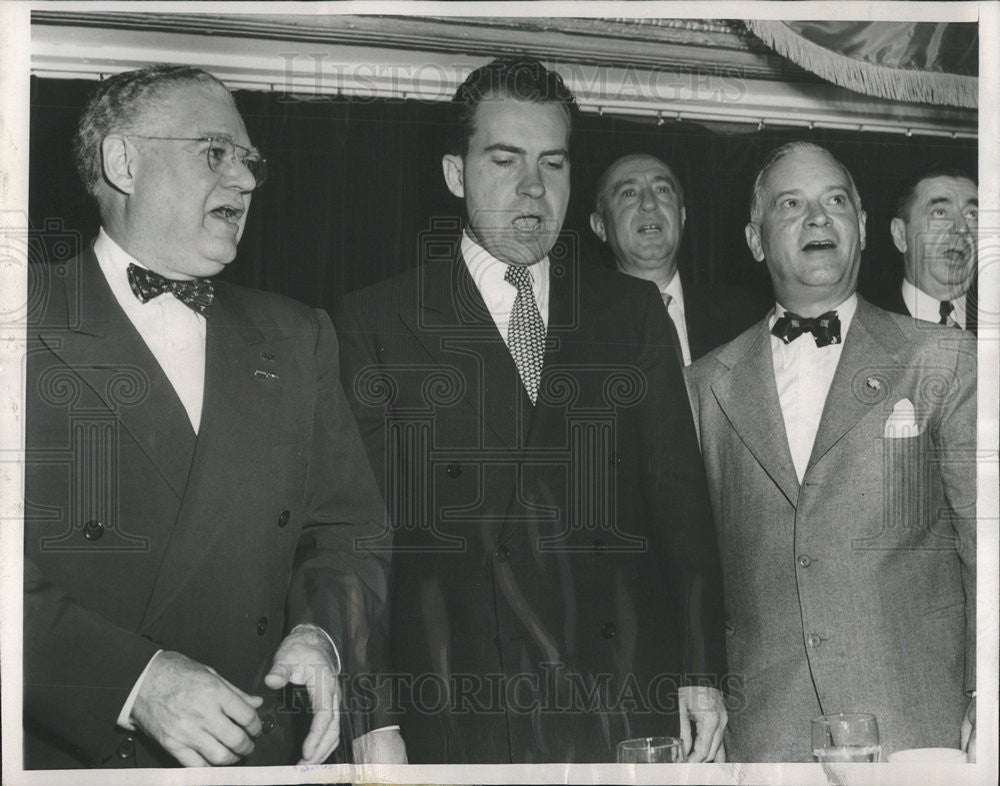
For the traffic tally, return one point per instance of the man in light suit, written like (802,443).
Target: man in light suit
(639,212)
(555,582)
(839,442)
(196,489)
(934,228)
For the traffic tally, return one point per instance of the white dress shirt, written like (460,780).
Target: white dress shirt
(175,334)
(488,274)
(923,306)
(676,313)
(803,374)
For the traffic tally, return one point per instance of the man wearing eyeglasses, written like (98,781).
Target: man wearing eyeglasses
(196,489)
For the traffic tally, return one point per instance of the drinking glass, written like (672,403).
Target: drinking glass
(651,750)
(846,736)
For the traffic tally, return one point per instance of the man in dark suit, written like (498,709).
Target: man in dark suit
(840,446)
(555,582)
(196,492)
(937,215)
(639,212)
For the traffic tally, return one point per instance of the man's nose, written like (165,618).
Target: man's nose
(237,175)
(816,214)
(531,184)
(647,200)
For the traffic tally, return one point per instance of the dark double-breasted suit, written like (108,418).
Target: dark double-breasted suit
(714,315)
(555,574)
(140,534)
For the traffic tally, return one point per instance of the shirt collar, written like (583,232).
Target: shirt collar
(675,290)
(923,306)
(487,271)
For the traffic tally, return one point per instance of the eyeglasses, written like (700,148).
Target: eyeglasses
(220,151)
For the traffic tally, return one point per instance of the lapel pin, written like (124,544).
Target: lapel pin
(873,384)
(261,374)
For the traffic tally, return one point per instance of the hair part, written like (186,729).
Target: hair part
(519,78)
(120,103)
(909,190)
(756,205)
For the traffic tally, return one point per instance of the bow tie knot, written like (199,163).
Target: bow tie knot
(825,328)
(198,294)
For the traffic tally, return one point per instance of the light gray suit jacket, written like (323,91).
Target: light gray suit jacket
(856,590)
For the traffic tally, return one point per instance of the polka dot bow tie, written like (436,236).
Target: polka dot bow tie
(198,294)
(825,328)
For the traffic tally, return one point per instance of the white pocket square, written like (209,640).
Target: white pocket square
(902,423)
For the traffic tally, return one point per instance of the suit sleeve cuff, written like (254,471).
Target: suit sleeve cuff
(333,644)
(125,716)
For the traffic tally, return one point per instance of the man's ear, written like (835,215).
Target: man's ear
(454,174)
(752,233)
(898,229)
(862,224)
(597,225)
(118,163)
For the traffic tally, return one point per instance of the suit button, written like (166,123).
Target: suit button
(804,561)
(502,553)
(93,530)
(262,626)
(126,750)
(454,470)
(283,518)
(615,459)
(813,640)
(608,630)
(599,546)
(267,725)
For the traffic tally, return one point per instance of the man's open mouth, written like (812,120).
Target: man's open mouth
(527,223)
(819,245)
(648,228)
(228,213)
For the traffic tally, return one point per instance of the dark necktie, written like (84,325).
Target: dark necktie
(526,331)
(945,310)
(198,294)
(678,349)
(825,328)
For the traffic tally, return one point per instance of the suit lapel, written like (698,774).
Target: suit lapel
(749,398)
(104,349)
(866,372)
(241,402)
(452,323)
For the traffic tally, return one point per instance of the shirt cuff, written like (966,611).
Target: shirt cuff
(333,644)
(125,716)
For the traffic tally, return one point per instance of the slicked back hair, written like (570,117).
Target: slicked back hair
(519,78)
(905,200)
(757,209)
(120,103)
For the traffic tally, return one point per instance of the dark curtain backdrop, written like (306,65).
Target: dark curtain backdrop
(356,192)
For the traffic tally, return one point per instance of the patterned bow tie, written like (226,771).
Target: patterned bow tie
(198,294)
(825,328)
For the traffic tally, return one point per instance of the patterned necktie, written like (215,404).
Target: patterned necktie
(198,294)
(945,310)
(526,331)
(825,328)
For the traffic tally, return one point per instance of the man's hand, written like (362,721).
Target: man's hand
(306,657)
(198,717)
(707,709)
(969,731)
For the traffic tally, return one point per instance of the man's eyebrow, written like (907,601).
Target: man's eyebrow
(504,148)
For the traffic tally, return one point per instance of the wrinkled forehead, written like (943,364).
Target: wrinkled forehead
(633,169)
(958,190)
(806,170)
(194,108)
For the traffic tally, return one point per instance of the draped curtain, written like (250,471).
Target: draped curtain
(356,194)
(923,62)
